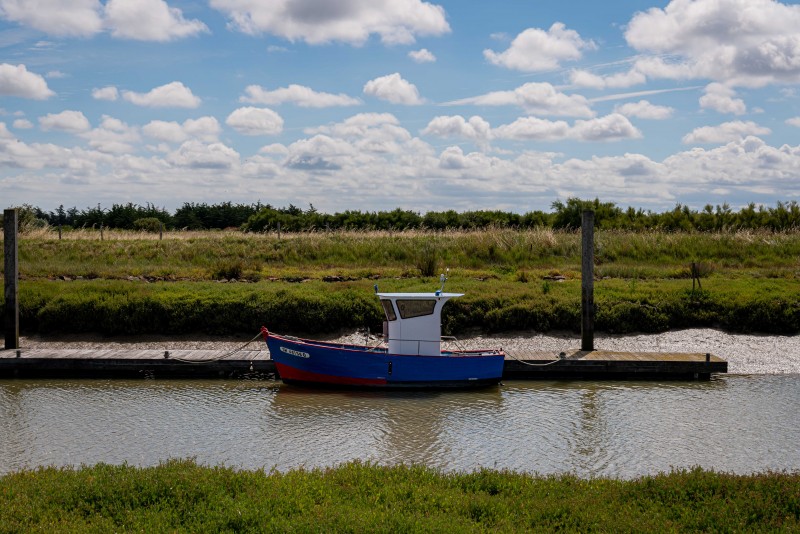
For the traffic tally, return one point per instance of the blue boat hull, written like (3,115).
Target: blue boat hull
(309,362)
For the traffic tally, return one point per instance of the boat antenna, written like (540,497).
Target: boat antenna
(442,279)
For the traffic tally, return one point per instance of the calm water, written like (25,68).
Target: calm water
(734,423)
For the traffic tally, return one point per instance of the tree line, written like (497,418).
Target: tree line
(265,218)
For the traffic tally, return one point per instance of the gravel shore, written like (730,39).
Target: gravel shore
(746,354)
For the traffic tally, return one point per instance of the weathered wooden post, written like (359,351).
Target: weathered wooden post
(160,231)
(279,231)
(59,232)
(101,231)
(11,276)
(587,281)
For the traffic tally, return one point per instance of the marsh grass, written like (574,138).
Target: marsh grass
(358,497)
(198,255)
(750,280)
(490,305)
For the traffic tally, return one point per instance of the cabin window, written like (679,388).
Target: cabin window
(415,308)
(388,309)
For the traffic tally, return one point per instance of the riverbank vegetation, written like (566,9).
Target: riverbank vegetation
(259,217)
(183,496)
(317,282)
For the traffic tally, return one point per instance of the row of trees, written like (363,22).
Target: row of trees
(565,215)
(125,216)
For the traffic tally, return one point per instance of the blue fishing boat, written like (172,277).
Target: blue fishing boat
(410,357)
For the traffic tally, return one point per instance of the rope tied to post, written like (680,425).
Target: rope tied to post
(223,356)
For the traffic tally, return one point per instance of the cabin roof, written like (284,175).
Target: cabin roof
(412,296)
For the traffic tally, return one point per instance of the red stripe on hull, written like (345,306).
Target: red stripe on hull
(290,373)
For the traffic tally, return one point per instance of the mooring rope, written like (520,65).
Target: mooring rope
(561,358)
(212,360)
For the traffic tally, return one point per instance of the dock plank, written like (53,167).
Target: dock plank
(519,364)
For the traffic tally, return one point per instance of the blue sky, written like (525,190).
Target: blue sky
(379,104)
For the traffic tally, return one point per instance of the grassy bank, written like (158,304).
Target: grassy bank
(132,283)
(182,496)
(135,307)
(494,252)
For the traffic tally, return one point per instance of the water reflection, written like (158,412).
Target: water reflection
(623,429)
(384,427)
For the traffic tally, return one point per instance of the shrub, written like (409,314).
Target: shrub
(147,224)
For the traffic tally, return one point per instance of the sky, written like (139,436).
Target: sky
(374,105)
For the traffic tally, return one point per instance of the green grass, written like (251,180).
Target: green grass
(208,255)
(132,283)
(116,307)
(356,497)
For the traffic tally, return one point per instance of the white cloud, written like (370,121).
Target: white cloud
(274,148)
(369,133)
(476,128)
(537,50)
(737,42)
(349,21)
(69,18)
(23,124)
(422,56)
(453,158)
(456,126)
(644,110)
(584,78)
(335,174)
(720,98)
(16,80)
(145,20)
(194,154)
(724,133)
(113,136)
(748,164)
(255,121)
(297,94)
(4,133)
(66,121)
(171,132)
(205,128)
(613,127)
(149,20)
(535,98)
(320,153)
(109,93)
(55,74)
(173,94)
(393,88)
(794,121)
(533,129)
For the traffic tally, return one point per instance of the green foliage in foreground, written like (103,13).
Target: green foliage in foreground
(182,496)
(492,305)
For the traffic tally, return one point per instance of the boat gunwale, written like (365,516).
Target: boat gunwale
(382,351)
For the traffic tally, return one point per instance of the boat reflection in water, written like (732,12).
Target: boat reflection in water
(386,427)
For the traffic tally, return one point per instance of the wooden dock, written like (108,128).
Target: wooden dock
(519,365)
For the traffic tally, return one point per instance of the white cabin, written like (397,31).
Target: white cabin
(415,321)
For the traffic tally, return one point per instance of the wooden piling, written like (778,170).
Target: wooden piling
(587,281)
(11,277)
